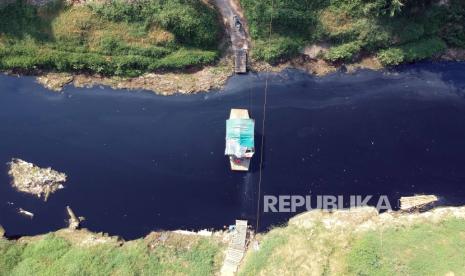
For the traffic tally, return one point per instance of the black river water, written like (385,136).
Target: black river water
(138,162)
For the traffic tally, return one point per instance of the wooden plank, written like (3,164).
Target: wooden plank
(240,61)
(416,202)
(236,249)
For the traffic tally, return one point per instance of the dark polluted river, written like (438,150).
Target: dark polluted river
(138,162)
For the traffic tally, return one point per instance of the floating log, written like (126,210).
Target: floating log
(26,213)
(74,221)
(418,202)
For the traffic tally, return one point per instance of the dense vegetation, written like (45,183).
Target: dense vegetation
(395,30)
(54,255)
(111,39)
(419,249)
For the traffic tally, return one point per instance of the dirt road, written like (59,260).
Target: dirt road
(230,9)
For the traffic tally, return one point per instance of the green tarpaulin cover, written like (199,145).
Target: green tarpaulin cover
(239,136)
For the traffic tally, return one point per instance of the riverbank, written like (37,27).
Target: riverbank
(184,82)
(128,46)
(73,252)
(214,77)
(362,242)
(347,242)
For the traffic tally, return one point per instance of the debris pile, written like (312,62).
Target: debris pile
(28,178)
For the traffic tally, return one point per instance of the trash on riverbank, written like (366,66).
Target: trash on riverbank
(28,178)
(55,81)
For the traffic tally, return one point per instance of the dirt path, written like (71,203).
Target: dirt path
(240,39)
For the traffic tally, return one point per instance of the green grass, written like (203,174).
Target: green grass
(53,255)
(424,249)
(263,258)
(110,39)
(354,28)
(419,249)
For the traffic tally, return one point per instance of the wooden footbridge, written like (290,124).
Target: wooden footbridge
(240,61)
(236,249)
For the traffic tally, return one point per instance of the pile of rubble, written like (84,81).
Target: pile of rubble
(28,178)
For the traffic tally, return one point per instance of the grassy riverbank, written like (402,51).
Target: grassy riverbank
(349,247)
(350,242)
(109,39)
(394,31)
(84,253)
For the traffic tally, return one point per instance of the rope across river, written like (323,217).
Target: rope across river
(262,147)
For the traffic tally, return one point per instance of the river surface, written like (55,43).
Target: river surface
(138,162)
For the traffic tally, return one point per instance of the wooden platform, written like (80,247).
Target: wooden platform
(236,249)
(242,166)
(239,114)
(412,203)
(240,61)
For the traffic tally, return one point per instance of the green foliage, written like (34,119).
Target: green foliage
(344,52)
(454,30)
(357,27)
(55,256)
(21,20)
(414,51)
(185,58)
(292,22)
(126,40)
(192,22)
(424,249)
(277,49)
(391,56)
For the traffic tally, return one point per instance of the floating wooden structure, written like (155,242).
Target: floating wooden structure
(236,249)
(240,144)
(240,61)
(418,202)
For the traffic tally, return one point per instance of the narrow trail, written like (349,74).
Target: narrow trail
(240,39)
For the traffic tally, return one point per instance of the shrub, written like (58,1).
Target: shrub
(413,51)
(423,49)
(276,50)
(344,52)
(391,56)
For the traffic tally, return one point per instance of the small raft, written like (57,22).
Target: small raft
(240,141)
